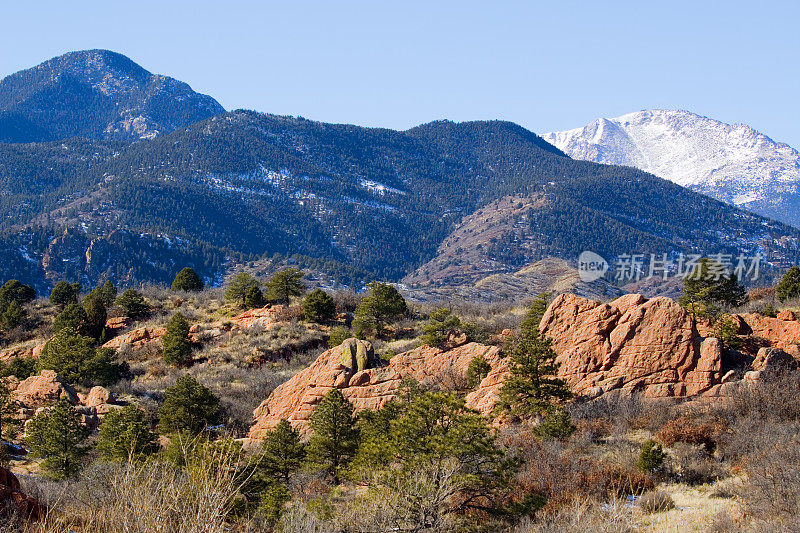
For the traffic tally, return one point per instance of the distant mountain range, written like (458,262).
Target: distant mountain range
(440,204)
(96,94)
(733,163)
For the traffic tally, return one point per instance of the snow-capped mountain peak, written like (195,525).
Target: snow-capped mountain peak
(731,162)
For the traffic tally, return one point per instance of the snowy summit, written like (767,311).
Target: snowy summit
(733,163)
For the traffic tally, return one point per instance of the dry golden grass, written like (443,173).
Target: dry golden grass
(148,497)
(695,509)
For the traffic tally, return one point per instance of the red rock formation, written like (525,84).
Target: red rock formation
(782,332)
(137,338)
(297,398)
(43,391)
(773,359)
(15,502)
(369,388)
(29,349)
(263,316)
(633,344)
(446,369)
(97,396)
(118,323)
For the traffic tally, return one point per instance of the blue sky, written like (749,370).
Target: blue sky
(545,65)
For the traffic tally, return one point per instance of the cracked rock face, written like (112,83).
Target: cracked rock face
(368,382)
(632,344)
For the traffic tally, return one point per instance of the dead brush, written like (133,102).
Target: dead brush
(153,496)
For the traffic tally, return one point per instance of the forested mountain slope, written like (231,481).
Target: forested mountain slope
(115,195)
(356,202)
(96,94)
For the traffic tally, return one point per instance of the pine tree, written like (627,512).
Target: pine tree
(383,304)
(188,406)
(177,348)
(334,441)
(319,307)
(14,291)
(13,316)
(65,293)
(72,318)
(651,457)
(238,287)
(253,298)
(531,386)
(478,369)
(282,453)
(57,436)
(285,285)
(76,359)
(435,435)
(126,434)
(439,326)
(133,304)
(707,288)
(108,293)
(789,286)
(187,280)
(96,314)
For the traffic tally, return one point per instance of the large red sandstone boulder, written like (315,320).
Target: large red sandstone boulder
(137,338)
(14,502)
(773,359)
(262,316)
(367,383)
(43,391)
(97,396)
(118,323)
(297,398)
(631,344)
(782,332)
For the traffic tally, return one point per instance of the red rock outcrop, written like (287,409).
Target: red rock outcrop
(40,392)
(118,323)
(782,332)
(15,502)
(445,369)
(138,338)
(263,316)
(297,398)
(632,344)
(43,391)
(773,359)
(28,349)
(367,388)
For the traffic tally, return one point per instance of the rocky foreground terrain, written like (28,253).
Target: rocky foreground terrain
(630,345)
(642,370)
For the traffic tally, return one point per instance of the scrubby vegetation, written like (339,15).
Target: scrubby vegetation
(170,454)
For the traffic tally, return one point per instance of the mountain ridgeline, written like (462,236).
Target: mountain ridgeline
(96,94)
(733,163)
(357,203)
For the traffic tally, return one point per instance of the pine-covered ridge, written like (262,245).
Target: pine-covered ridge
(356,203)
